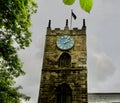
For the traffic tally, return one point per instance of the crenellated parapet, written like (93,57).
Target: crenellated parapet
(66,30)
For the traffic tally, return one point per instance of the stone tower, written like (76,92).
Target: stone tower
(64,71)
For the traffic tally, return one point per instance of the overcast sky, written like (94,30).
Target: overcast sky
(103,44)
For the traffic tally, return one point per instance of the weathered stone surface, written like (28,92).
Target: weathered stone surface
(74,76)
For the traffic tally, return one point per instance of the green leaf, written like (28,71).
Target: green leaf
(86,5)
(68,2)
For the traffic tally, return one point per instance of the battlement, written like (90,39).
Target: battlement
(66,30)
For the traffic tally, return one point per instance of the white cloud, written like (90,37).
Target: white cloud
(101,66)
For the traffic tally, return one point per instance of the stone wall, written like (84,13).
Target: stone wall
(76,79)
(75,76)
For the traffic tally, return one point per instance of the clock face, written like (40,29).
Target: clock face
(65,42)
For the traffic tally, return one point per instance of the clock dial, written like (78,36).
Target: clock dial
(65,42)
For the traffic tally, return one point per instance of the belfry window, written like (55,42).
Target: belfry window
(65,60)
(64,94)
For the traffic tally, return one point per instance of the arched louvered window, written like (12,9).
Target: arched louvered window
(65,60)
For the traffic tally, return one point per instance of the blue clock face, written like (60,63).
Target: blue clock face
(65,42)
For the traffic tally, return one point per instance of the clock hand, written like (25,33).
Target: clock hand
(67,40)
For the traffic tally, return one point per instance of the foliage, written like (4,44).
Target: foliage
(14,35)
(85,4)
(68,2)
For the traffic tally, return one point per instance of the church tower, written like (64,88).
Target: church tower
(64,71)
